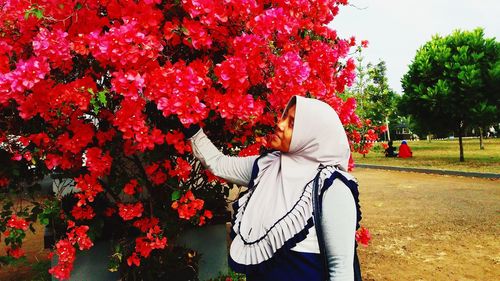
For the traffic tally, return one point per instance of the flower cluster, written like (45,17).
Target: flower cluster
(14,252)
(17,223)
(145,244)
(66,256)
(130,211)
(43,46)
(124,45)
(363,236)
(188,205)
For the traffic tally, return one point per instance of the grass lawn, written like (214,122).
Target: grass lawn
(441,155)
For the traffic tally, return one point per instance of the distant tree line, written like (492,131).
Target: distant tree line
(452,87)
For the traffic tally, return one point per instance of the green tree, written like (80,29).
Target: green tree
(376,100)
(381,105)
(448,79)
(487,112)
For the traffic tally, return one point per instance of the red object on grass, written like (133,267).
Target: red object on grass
(405,150)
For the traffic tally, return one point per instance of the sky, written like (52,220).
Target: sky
(396,29)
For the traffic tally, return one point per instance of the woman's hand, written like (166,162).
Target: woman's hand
(190,131)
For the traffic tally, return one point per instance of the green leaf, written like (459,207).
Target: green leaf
(44,221)
(38,13)
(101,96)
(176,195)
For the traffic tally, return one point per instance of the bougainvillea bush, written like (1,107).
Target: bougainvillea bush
(97,92)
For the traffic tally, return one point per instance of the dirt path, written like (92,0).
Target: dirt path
(424,227)
(429,227)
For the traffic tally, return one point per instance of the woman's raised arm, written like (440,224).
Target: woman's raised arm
(237,170)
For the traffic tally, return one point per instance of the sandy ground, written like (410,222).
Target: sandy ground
(424,227)
(429,227)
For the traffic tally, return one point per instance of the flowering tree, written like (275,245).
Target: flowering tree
(98,91)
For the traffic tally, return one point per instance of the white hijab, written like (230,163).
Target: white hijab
(279,206)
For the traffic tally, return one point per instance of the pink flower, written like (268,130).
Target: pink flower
(44,45)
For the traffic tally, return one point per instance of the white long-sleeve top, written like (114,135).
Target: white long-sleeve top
(339,210)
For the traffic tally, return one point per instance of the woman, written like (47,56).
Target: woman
(276,234)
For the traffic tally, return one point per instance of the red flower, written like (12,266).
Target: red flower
(188,205)
(253,149)
(124,45)
(82,213)
(182,169)
(130,211)
(66,257)
(363,236)
(155,174)
(177,140)
(145,224)
(89,187)
(17,223)
(211,177)
(97,163)
(104,137)
(206,215)
(132,187)
(79,235)
(142,247)
(61,271)
(133,260)
(232,74)
(65,251)
(15,252)
(196,34)
(52,161)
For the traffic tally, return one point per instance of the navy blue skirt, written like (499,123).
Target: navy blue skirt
(293,266)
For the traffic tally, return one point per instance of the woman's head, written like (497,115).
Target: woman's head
(312,129)
(282,136)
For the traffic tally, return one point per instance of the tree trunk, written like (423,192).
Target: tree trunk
(429,138)
(388,130)
(481,145)
(460,133)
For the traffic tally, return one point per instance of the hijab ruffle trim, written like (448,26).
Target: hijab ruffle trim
(292,228)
